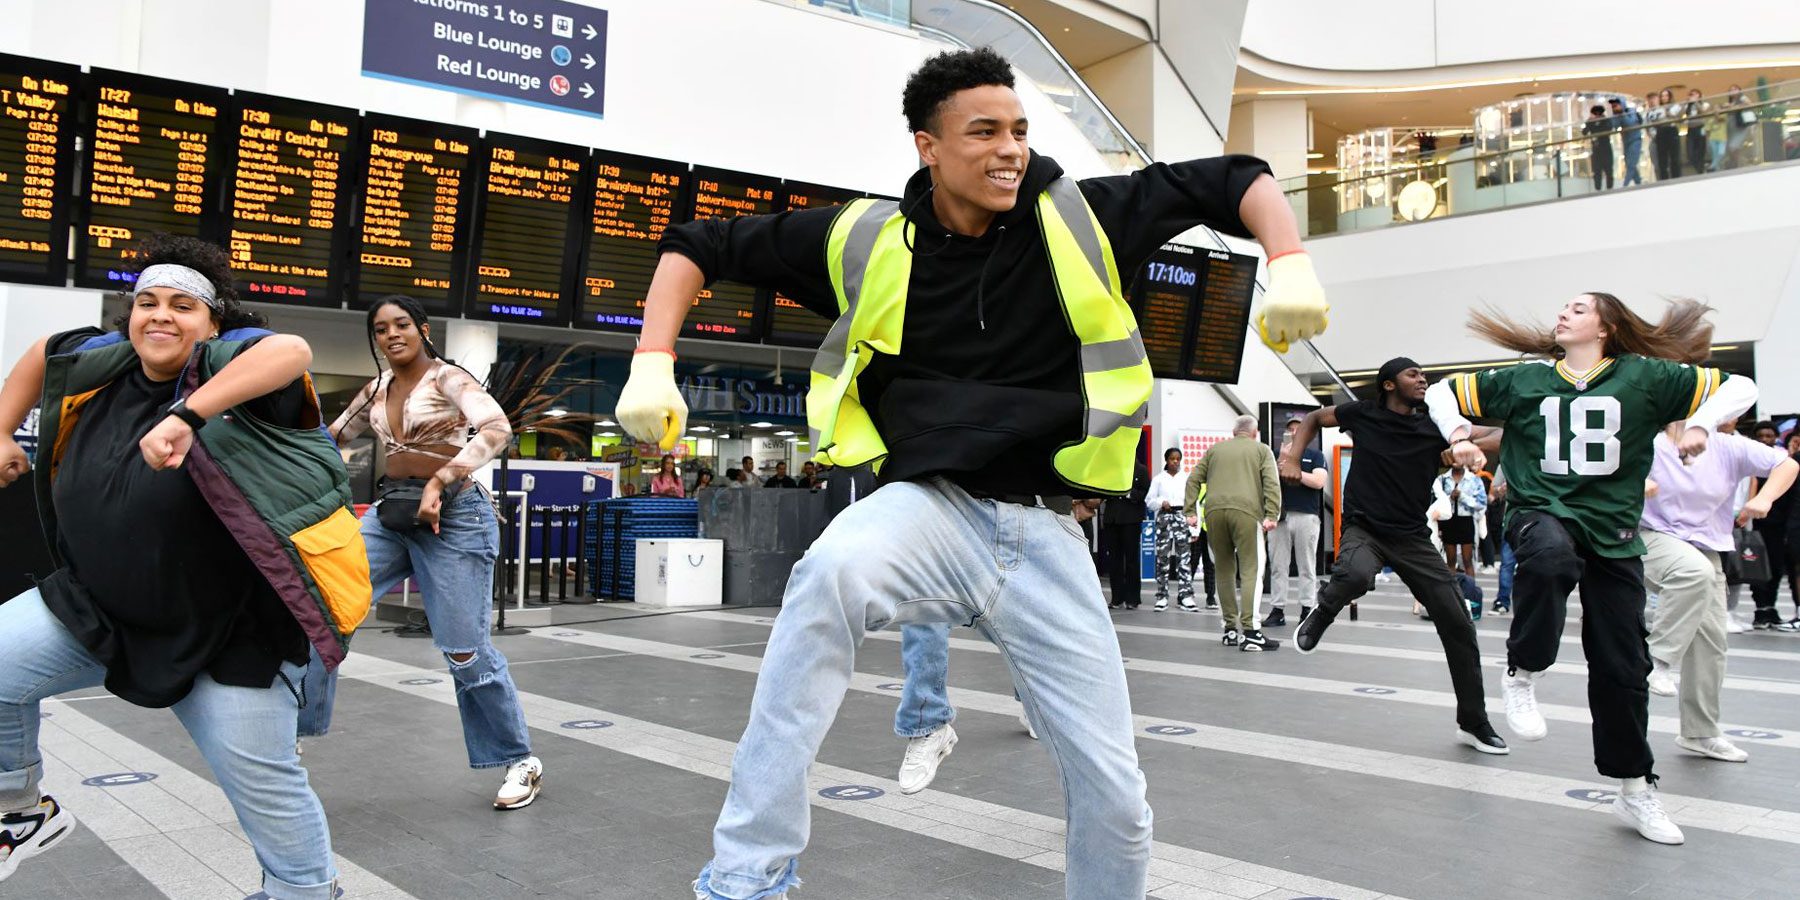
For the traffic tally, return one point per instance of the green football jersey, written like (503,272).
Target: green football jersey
(1580,448)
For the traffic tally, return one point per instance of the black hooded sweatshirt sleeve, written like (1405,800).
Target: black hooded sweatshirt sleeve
(987,384)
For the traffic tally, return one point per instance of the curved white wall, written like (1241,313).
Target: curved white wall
(1423,34)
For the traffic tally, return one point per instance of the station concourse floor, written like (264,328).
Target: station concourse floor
(1272,775)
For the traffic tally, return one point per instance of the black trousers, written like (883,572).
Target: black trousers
(1362,553)
(1603,170)
(1768,594)
(1202,558)
(1665,149)
(1124,570)
(1551,565)
(1696,150)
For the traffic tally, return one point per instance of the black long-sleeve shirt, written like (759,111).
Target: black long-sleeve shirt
(987,384)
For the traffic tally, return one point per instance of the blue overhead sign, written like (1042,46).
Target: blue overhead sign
(546,53)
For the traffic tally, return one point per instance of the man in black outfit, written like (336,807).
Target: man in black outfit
(1385,499)
(1121,534)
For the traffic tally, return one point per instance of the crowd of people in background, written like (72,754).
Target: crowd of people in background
(1688,136)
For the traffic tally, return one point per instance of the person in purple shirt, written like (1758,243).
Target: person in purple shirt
(1686,526)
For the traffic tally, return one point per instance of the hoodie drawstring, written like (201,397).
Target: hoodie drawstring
(981,280)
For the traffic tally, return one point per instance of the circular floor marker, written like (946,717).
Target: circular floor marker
(851,792)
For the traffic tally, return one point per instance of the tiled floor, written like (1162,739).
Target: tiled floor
(1272,776)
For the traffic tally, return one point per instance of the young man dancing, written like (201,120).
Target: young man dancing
(1385,498)
(946,367)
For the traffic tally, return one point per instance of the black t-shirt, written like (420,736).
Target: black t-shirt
(153,585)
(987,385)
(1396,458)
(1298,498)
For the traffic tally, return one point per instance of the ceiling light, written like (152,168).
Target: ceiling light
(608,423)
(762,424)
(784,434)
(556,412)
(701,428)
(609,434)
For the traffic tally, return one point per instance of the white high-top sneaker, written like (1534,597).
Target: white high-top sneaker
(1519,688)
(1642,810)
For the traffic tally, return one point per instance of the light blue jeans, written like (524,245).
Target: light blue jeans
(1508,563)
(927,553)
(455,571)
(924,701)
(245,734)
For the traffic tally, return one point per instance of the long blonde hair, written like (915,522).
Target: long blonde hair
(1683,335)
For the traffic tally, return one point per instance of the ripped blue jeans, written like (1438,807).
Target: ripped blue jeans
(455,572)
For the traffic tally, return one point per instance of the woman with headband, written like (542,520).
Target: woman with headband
(433,523)
(199,521)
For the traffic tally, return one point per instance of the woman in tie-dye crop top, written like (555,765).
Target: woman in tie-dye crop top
(447,427)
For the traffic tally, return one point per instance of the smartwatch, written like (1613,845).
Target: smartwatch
(179,409)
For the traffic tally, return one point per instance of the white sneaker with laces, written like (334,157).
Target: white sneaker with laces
(1661,682)
(1716,747)
(1519,688)
(523,780)
(923,754)
(1735,625)
(1643,811)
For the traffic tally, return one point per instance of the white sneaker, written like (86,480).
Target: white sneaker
(1660,682)
(523,780)
(1644,812)
(1715,747)
(1519,688)
(1384,578)
(1029,731)
(1162,603)
(26,834)
(923,754)
(1735,625)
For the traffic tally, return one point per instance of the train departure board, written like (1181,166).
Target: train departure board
(727,310)
(525,248)
(413,232)
(1163,300)
(287,202)
(1218,327)
(155,152)
(635,199)
(37,160)
(789,322)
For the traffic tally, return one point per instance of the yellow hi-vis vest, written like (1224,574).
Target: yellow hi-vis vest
(870,269)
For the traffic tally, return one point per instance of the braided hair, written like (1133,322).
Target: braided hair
(415,311)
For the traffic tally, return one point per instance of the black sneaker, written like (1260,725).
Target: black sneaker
(26,834)
(1484,738)
(1212,603)
(1254,642)
(1275,619)
(1187,605)
(1502,606)
(1312,628)
(1231,638)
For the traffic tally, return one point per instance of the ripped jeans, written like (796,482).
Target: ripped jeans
(455,572)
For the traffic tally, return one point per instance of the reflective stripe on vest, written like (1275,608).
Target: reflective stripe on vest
(870,269)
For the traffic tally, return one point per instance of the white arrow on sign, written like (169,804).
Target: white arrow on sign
(588,30)
(586,90)
(587,60)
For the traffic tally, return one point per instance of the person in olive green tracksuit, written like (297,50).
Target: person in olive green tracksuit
(1243,501)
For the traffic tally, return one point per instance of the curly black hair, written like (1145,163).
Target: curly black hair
(945,74)
(209,260)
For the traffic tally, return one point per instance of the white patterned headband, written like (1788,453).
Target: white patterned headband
(179,277)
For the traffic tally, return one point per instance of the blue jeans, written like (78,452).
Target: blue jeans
(1507,564)
(455,570)
(1633,150)
(245,734)
(924,701)
(920,553)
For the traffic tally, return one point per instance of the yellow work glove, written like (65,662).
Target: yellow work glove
(1294,305)
(650,406)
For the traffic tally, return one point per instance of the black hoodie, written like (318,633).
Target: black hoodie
(987,385)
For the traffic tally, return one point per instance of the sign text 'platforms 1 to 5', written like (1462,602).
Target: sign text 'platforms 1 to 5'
(547,53)
(37,157)
(155,151)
